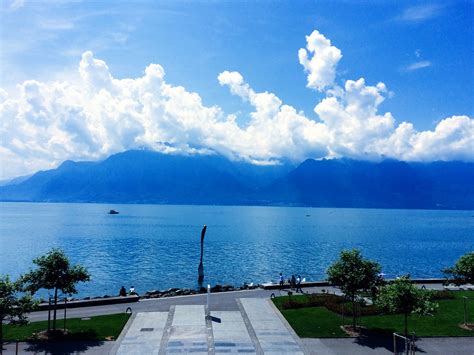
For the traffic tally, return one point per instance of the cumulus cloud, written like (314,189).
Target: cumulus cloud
(99,115)
(321,67)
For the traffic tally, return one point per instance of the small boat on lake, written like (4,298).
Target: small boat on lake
(113,212)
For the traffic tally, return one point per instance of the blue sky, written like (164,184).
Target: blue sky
(421,51)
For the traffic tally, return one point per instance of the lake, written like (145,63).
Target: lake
(157,246)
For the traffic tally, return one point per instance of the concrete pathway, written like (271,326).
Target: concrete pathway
(144,334)
(231,334)
(273,335)
(224,301)
(256,328)
(188,332)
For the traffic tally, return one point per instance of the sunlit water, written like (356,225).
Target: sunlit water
(157,246)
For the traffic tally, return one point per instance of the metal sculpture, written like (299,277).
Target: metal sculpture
(201,267)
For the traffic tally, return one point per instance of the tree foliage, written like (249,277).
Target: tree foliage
(13,307)
(55,272)
(402,296)
(353,275)
(463,271)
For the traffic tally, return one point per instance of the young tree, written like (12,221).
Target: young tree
(13,307)
(402,296)
(55,272)
(354,275)
(463,271)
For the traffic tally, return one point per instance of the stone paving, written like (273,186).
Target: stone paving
(257,328)
(188,332)
(273,336)
(144,334)
(231,334)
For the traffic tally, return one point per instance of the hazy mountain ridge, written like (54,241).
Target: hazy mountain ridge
(151,177)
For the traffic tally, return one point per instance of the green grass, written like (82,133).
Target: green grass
(106,327)
(314,322)
(278,301)
(318,322)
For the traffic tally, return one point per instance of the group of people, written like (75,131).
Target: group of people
(295,282)
(123,291)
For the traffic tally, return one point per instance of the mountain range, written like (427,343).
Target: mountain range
(141,176)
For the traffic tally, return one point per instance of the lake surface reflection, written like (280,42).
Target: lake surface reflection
(157,246)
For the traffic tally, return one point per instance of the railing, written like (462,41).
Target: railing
(410,346)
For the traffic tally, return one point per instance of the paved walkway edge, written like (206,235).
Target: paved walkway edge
(251,331)
(167,331)
(288,326)
(124,331)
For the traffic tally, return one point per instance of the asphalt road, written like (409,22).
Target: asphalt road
(223,301)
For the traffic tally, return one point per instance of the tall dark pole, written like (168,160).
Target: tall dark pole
(49,313)
(201,267)
(65,309)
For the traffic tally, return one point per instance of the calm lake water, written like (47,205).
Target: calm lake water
(157,246)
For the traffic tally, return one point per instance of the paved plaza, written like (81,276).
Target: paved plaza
(242,322)
(256,328)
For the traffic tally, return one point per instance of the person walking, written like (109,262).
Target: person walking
(293,282)
(298,284)
(281,281)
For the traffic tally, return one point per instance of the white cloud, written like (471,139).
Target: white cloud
(418,65)
(353,121)
(97,115)
(452,139)
(321,68)
(56,24)
(17,4)
(419,13)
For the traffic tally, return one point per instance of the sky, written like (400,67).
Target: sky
(259,81)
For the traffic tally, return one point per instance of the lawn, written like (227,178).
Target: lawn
(319,322)
(106,327)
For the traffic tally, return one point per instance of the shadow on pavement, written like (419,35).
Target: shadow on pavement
(69,347)
(380,338)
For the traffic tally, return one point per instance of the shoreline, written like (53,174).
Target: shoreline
(175,292)
(241,205)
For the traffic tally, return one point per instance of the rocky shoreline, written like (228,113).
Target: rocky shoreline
(171,292)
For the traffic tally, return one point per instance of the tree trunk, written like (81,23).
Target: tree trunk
(406,324)
(55,307)
(1,335)
(353,313)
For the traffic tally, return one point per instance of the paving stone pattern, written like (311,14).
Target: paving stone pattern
(145,334)
(272,334)
(231,334)
(188,332)
(255,329)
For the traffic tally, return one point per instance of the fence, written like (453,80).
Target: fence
(410,346)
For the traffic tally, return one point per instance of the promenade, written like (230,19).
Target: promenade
(256,328)
(241,322)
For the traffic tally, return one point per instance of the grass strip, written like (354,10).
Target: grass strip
(107,327)
(319,322)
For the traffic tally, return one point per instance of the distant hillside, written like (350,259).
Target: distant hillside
(388,184)
(151,177)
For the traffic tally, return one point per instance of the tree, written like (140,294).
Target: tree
(13,308)
(354,275)
(463,271)
(402,296)
(55,272)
